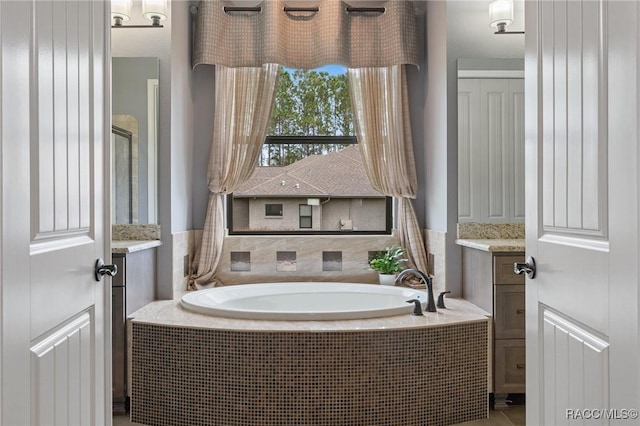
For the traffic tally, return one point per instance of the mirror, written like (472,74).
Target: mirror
(134,140)
(491,140)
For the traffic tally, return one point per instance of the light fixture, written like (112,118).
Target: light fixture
(501,16)
(120,11)
(154,10)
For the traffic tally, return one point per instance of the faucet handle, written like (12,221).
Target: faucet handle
(440,303)
(417,308)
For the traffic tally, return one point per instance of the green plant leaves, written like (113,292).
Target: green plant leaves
(390,261)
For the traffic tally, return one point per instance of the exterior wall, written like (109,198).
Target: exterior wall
(240,213)
(289,221)
(366,214)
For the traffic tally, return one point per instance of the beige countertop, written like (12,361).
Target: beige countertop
(130,246)
(172,314)
(493,245)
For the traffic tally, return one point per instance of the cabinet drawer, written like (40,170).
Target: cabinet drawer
(509,366)
(509,311)
(503,269)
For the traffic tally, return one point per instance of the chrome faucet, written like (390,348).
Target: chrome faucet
(431,305)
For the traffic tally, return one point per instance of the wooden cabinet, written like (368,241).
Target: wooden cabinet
(488,281)
(132,288)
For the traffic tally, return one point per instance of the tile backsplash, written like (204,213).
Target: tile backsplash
(264,258)
(302,258)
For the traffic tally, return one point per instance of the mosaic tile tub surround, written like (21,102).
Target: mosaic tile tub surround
(434,375)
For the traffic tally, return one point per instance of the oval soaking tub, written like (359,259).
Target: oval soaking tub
(303,301)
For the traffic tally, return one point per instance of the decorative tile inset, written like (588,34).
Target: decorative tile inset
(240,261)
(332,261)
(286,261)
(373,254)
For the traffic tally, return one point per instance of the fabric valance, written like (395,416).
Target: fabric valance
(330,35)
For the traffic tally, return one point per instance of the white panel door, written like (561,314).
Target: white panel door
(54,112)
(470,168)
(490,150)
(581,81)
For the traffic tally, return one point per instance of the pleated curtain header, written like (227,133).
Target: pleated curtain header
(306,39)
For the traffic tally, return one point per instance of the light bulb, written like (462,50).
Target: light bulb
(121,10)
(155,10)
(501,14)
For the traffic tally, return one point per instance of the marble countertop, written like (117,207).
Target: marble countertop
(493,245)
(130,246)
(172,314)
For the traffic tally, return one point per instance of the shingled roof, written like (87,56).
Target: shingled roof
(338,174)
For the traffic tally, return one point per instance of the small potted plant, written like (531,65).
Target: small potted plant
(388,263)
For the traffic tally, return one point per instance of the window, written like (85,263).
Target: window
(310,161)
(273,210)
(306,216)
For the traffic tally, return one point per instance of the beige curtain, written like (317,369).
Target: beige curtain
(381,117)
(243,104)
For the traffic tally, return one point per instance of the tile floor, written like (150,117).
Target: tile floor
(513,416)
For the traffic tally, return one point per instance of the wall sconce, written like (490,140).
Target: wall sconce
(501,16)
(153,10)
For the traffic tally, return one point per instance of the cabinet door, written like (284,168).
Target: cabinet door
(509,370)
(509,311)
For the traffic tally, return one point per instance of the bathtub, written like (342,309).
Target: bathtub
(303,301)
(395,370)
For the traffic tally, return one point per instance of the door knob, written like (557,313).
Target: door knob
(102,269)
(529,267)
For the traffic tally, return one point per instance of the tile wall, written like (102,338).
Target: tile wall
(248,259)
(436,250)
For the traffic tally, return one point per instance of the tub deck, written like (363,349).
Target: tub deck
(170,313)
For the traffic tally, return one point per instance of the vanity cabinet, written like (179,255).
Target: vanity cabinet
(489,282)
(132,288)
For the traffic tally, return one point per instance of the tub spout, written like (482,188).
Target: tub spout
(431,305)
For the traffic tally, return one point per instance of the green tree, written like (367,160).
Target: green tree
(308,103)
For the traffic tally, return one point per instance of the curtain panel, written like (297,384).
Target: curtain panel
(244,100)
(381,120)
(306,39)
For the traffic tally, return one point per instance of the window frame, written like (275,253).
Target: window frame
(347,140)
(300,216)
(273,216)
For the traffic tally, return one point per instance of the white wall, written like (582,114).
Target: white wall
(172,45)
(182,118)
(453,29)
(468,35)
(155,42)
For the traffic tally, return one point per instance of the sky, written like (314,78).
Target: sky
(331,69)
